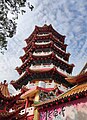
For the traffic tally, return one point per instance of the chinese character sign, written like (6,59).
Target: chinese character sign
(72,112)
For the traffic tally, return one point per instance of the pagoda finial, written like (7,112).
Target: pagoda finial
(45,23)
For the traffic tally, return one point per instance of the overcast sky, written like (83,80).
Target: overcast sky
(68,17)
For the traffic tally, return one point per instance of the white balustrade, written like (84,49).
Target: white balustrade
(34,67)
(42,43)
(44,34)
(42,53)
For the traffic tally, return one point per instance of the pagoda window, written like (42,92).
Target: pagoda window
(38,61)
(47,61)
(38,50)
(43,50)
(42,33)
(47,50)
(25,82)
(35,75)
(61,67)
(42,61)
(64,67)
(54,62)
(34,62)
(23,70)
(51,61)
(58,64)
(46,40)
(44,76)
(67,71)
(41,76)
(2,105)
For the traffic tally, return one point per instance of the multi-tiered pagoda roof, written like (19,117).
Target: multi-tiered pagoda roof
(9,108)
(45,58)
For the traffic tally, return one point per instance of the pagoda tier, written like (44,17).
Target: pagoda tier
(46,52)
(33,74)
(46,59)
(45,30)
(50,46)
(46,38)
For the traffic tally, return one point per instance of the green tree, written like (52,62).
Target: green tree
(8,25)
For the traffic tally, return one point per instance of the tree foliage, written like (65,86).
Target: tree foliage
(9,10)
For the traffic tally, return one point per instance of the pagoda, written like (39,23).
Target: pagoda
(44,69)
(45,59)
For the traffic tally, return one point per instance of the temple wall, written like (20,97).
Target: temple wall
(76,110)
